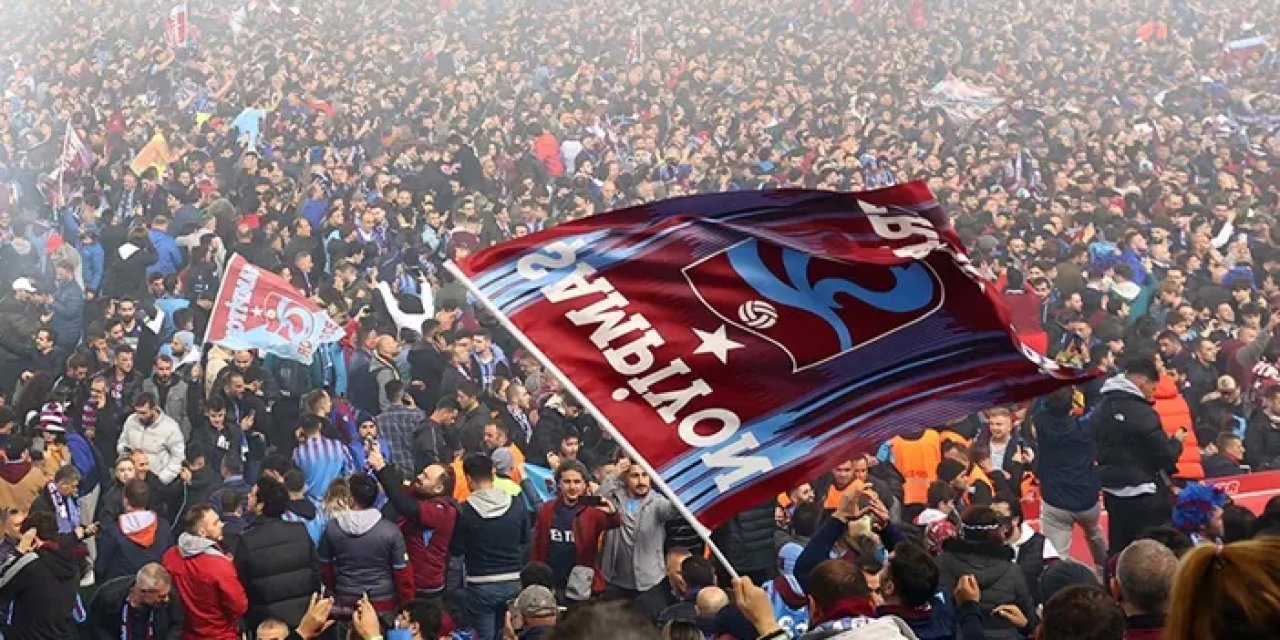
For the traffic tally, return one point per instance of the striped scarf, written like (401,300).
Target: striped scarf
(89,417)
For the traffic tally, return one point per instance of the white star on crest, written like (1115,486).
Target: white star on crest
(716,343)
(256,312)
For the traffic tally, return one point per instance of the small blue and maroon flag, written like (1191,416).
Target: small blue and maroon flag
(741,343)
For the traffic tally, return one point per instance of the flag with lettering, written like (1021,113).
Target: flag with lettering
(743,342)
(257,309)
(176,26)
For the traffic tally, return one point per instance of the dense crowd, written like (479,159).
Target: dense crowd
(426,477)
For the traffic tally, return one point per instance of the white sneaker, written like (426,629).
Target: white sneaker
(87,580)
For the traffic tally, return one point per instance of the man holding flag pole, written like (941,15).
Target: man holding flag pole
(787,329)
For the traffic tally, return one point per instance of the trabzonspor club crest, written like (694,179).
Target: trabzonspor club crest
(811,308)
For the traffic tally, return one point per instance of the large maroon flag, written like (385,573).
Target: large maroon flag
(741,343)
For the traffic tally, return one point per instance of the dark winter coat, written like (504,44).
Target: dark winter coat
(1068,477)
(123,555)
(999,578)
(747,539)
(1262,441)
(104,611)
(1132,447)
(278,566)
(126,275)
(42,586)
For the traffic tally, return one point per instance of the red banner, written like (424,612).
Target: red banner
(257,309)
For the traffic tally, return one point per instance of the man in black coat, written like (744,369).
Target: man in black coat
(1262,436)
(275,559)
(41,581)
(1135,457)
(145,600)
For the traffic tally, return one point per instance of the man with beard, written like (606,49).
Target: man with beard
(428,359)
(170,391)
(515,416)
(123,383)
(243,408)
(427,518)
(213,600)
(435,443)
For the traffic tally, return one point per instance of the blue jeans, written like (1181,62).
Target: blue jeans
(486,607)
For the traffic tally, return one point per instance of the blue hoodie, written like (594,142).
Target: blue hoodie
(170,259)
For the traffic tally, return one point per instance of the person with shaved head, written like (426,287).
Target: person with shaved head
(383,367)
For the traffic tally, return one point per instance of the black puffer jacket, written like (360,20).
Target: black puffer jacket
(279,569)
(1132,448)
(999,578)
(42,586)
(747,540)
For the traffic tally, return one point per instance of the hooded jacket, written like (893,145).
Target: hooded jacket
(126,274)
(491,534)
(168,255)
(305,510)
(130,541)
(213,598)
(1132,448)
(1001,580)
(362,552)
(276,562)
(42,585)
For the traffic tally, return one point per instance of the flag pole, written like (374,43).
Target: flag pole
(62,169)
(595,412)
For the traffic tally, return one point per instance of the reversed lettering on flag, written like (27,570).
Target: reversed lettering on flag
(743,342)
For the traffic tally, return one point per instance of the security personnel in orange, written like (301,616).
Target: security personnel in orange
(917,459)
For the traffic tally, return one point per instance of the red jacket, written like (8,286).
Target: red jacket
(212,596)
(589,523)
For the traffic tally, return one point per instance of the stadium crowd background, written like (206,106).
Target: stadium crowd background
(1123,196)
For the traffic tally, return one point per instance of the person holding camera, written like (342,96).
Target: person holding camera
(567,532)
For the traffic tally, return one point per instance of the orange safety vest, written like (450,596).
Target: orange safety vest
(460,489)
(832,499)
(978,476)
(917,460)
(951,436)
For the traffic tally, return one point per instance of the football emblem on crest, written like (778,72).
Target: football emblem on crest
(758,314)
